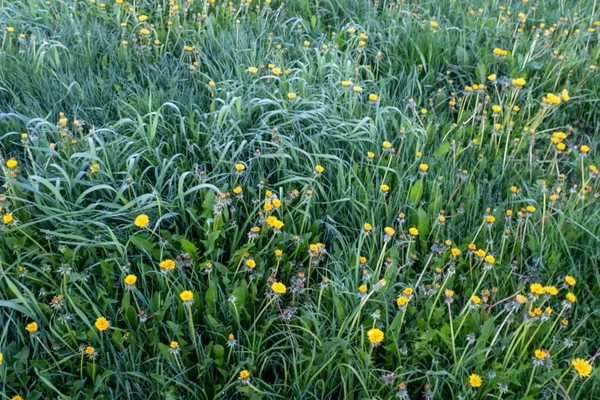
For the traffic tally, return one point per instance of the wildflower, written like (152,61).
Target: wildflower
(423,167)
(31,327)
(413,231)
(540,354)
(375,336)
(571,298)
(455,252)
(570,280)
(174,348)
(240,168)
(584,148)
(582,367)
(17,397)
(278,288)
(276,71)
(362,291)
(291,95)
(346,83)
(167,265)
(520,299)
(565,95)
(373,97)
(141,221)
(492,77)
(319,169)
(536,289)
(389,232)
(475,301)
(91,352)
(130,281)
(475,380)
(187,297)
(252,70)
(1,358)
(244,377)
(12,163)
(402,301)
(384,188)
(551,290)
(231,340)
(7,218)
(408,291)
(101,324)
(518,82)
(357,89)
(94,168)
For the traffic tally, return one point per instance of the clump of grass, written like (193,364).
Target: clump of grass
(310,200)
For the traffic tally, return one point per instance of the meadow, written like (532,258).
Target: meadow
(303,199)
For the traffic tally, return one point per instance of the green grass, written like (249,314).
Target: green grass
(159,135)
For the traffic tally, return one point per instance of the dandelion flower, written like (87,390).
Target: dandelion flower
(244,377)
(141,221)
(101,324)
(475,380)
(570,280)
(582,367)
(12,163)
(31,327)
(375,336)
(278,288)
(7,218)
(187,297)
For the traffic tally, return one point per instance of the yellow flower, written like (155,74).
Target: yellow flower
(584,148)
(31,327)
(252,70)
(362,289)
(408,291)
(540,354)
(565,95)
(319,169)
(373,97)
(424,167)
(186,296)
(101,324)
(455,251)
(518,82)
(240,167)
(384,188)
(250,263)
(367,227)
(130,280)
(357,89)
(476,299)
(389,231)
(245,374)
(521,299)
(551,290)
(89,350)
(490,260)
(17,397)
(413,231)
(346,83)
(537,288)
(292,95)
(306,43)
(143,18)
(276,71)
(386,145)
(167,265)
(475,380)
(496,108)
(7,218)
(582,367)
(570,280)
(10,29)
(402,301)
(144,31)
(433,24)
(278,287)
(571,298)
(552,98)
(12,163)
(174,345)
(375,336)
(492,77)
(141,221)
